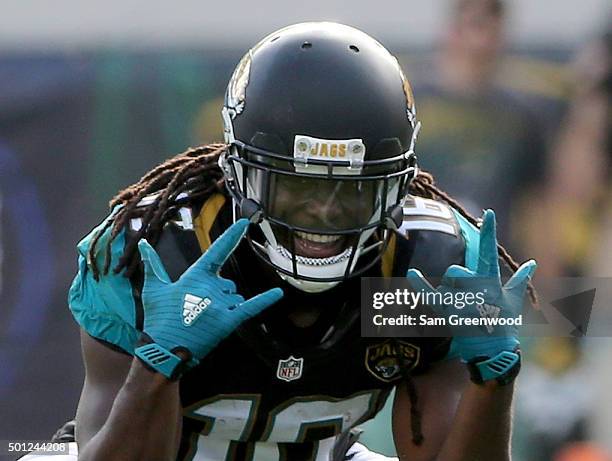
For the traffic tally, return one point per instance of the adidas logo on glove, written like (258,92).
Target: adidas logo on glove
(193,307)
(489,312)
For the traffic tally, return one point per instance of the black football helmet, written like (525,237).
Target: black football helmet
(321,124)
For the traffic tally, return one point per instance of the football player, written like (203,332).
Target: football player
(219,301)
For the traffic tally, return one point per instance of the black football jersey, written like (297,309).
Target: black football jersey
(275,391)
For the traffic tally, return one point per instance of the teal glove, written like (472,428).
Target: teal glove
(196,312)
(500,301)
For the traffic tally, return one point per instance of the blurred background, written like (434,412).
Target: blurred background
(514,97)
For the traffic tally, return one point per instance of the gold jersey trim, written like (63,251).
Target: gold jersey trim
(388,257)
(203,223)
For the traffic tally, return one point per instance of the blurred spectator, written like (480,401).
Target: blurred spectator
(577,242)
(480,141)
(486,142)
(580,173)
(581,201)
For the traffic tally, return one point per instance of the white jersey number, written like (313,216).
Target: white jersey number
(231,418)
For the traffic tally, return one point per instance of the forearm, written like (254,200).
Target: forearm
(481,428)
(142,422)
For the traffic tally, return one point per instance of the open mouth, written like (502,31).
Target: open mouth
(314,249)
(318,245)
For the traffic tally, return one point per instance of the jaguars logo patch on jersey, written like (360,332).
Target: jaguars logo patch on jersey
(389,359)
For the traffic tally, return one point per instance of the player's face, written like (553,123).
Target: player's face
(325,205)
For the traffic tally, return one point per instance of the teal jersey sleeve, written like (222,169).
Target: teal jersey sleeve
(105,309)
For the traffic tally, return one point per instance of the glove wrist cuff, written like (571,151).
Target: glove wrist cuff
(503,368)
(161,360)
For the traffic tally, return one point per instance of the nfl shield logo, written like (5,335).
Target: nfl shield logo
(289,369)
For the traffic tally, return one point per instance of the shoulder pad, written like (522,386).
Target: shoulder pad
(177,245)
(427,214)
(178,249)
(432,237)
(190,232)
(183,217)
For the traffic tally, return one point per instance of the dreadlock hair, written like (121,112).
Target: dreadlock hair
(196,170)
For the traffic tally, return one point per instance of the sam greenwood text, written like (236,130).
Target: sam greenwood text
(452,320)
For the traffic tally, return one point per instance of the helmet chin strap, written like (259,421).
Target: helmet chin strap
(251,210)
(394,217)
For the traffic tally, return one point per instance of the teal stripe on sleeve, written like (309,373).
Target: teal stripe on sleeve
(471,235)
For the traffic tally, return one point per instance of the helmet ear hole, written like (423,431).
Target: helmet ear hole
(354,48)
(306,45)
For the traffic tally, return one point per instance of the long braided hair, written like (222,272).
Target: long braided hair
(196,170)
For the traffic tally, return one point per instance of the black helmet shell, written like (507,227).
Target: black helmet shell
(324,80)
